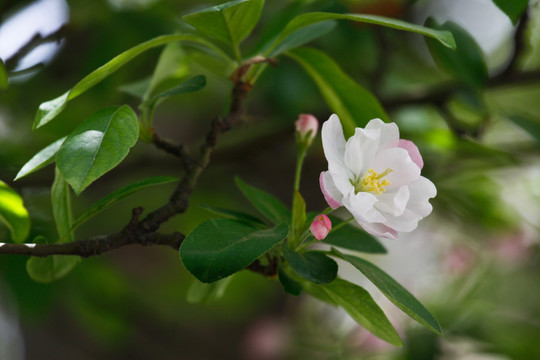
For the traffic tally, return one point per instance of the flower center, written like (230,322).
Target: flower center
(372,182)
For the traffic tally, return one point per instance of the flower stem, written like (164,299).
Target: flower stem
(346,222)
(295,227)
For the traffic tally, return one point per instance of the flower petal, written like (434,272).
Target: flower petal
(330,191)
(360,205)
(413,151)
(421,191)
(393,203)
(389,132)
(381,230)
(333,141)
(404,170)
(360,149)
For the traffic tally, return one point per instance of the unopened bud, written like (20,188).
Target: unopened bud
(307,126)
(321,226)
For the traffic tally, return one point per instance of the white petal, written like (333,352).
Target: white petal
(393,203)
(333,141)
(330,191)
(389,132)
(406,222)
(360,150)
(361,207)
(421,191)
(404,170)
(342,181)
(377,229)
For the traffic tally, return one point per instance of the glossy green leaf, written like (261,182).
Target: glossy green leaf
(289,285)
(530,124)
(303,20)
(230,22)
(50,109)
(192,84)
(359,304)
(50,268)
(267,204)
(353,238)
(3,76)
(13,213)
(393,291)
(200,292)
(220,247)
(302,36)
(234,215)
(43,158)
(311,265)
(116,196)
(512,8)
(354,104)
(96,146)
(61,206)
(466,62)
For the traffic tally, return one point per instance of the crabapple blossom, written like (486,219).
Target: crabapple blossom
(321,226)
(375,175)
(306,127)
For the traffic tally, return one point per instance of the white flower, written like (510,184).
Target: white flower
(376,176)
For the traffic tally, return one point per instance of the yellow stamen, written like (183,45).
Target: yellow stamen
(371,182)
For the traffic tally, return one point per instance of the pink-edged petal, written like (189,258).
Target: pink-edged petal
(393,203)
(404,170)
(360,149)
(361,207)
(389,132)
(333,141)
(329,190)
(381,230)
(413,151)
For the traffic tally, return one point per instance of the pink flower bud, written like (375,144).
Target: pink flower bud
(321,226)
(307,124)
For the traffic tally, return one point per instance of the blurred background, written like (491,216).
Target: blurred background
(474,262)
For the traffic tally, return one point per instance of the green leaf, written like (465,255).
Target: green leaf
(528,123)
(231,22)
(192,84)
(200,292)
(172,64)
(234,215)
(43,158)
(312,265)
(97,145)
(289,285)
(116,196)
(302,36)
(3,76)
(393,291)
(512,8)
(137,88)
(50,268)
(354,104)
(220,247)
(303,20)
(357,302)
(353,238)
(13,213)
(466,62)
(267,204)
(61,205)
(50,109)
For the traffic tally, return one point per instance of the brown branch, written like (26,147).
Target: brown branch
(144,232)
